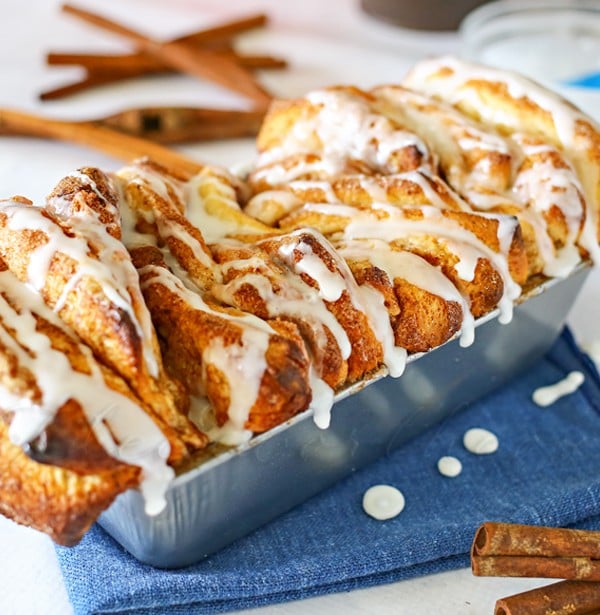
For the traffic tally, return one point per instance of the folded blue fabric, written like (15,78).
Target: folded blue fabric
(545,472)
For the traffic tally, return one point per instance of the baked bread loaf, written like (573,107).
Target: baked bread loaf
(146,316)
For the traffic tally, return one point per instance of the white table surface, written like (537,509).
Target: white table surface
(327,42)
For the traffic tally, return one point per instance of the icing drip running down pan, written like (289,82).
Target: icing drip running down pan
(214,339)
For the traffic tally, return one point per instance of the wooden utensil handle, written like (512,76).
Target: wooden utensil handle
(185,124)
(106,24)
(120,146)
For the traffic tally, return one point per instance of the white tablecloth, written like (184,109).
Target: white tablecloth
(326,42)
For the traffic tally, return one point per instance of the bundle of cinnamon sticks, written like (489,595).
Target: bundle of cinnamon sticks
(205,54)
(512,550)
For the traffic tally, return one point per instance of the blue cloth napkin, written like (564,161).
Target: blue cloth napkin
(546,472)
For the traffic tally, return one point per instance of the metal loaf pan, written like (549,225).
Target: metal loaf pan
(237,491)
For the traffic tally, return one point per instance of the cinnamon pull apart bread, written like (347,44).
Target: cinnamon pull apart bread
(149,319)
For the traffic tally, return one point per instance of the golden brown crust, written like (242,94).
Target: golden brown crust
(69,442)
(487,286)
(239,292)
(88,189)
(187,330)
(367,353)
(105,326)
(57,501)
(426,319)
(420,319)
(512,104)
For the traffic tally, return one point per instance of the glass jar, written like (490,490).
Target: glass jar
(555,42)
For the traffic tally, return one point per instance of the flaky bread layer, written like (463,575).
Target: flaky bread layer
(189,327)
(59,502)
(511,103)
(241,264)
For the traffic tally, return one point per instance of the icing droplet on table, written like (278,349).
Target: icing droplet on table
(449,466)
(383,502)
(480,441)
(545,396)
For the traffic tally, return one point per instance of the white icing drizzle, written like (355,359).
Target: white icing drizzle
(252,262)
(463,243)
(168,227)
(542,185)
(130,236)
(538,187)
(212,226)
(243,364)
(125,431)
(426,182)
(61,205)
(480,441)
(383,502)
(546,396)
(394,357)
(301,186)
(112,268)
(416,271)
(157,181)
(301,167)
(453,86)
(451,134)
(331,286)
(372,187)
(507,225)
(322,400)
(285,201)
(294,299)
(341,127)
(449,466)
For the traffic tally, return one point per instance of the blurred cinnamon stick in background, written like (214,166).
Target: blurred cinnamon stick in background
(206,54)
(141,63)
(106,69)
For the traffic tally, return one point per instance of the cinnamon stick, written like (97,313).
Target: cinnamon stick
(105,69)
(573,568)
(564,598)
(504,549)
(515,539)
(223,32)
(140,63)
(97,62)
(90,81)
(198,62)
